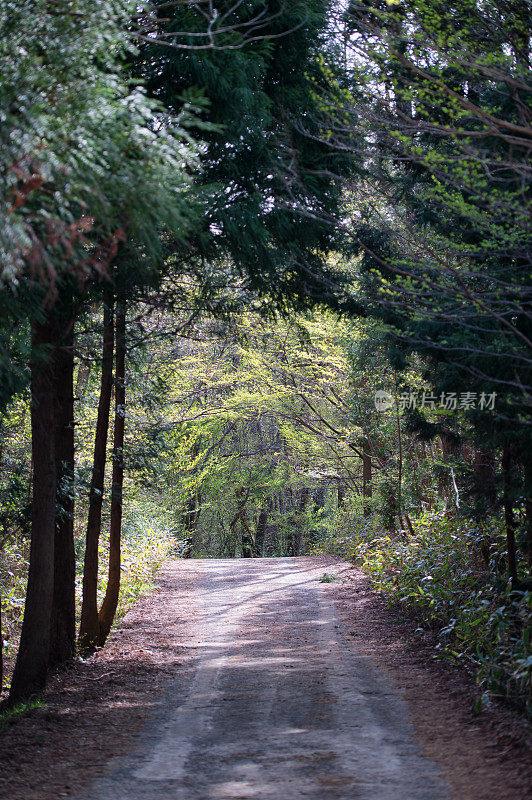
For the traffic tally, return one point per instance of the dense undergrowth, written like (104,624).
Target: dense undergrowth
(146,542)
(13,575)
(450,575)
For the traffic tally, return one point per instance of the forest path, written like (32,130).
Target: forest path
(275,703)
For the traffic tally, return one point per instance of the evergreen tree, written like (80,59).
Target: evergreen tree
(266,173)
(447,246)
(80,151)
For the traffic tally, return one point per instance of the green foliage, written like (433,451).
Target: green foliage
(445,236)
(246,430)
(13,576)
(251,421)
(13,714)
(15,441)
(147,542)
(329,577)
(79,144)
(440,575)
(335,534)
(264,174)
(81,150)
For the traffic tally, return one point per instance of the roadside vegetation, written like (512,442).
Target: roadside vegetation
(447,575)
(147,542)
(265,291)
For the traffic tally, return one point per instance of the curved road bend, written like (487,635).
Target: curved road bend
(277,704)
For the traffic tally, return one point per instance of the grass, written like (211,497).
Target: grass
(328,577)
(11,715)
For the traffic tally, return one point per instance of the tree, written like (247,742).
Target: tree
(32,661)
(251,422)
(444,97)
(90,628)
(107,611)
(80,144)
(63,618)
(259,166)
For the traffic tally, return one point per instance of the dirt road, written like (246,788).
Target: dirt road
(275,705)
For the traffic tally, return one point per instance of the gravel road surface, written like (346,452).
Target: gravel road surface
(274,704)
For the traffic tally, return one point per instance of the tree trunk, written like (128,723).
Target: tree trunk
(366,477)
(63,620)
(89,633)
(304,497)
(528,505)
(31,666)
(400,465)
(1,648)
(248,544)
(484,471)
(260,533)
(110,602)
(509,518)
(82,380)
(190,516)
(319,497)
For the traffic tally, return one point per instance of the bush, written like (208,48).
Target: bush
(449,574)
(146,543)
(13,577)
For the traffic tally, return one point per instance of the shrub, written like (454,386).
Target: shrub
(146,543)
(13,576)
(449,574)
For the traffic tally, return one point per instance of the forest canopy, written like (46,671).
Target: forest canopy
(265,291)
